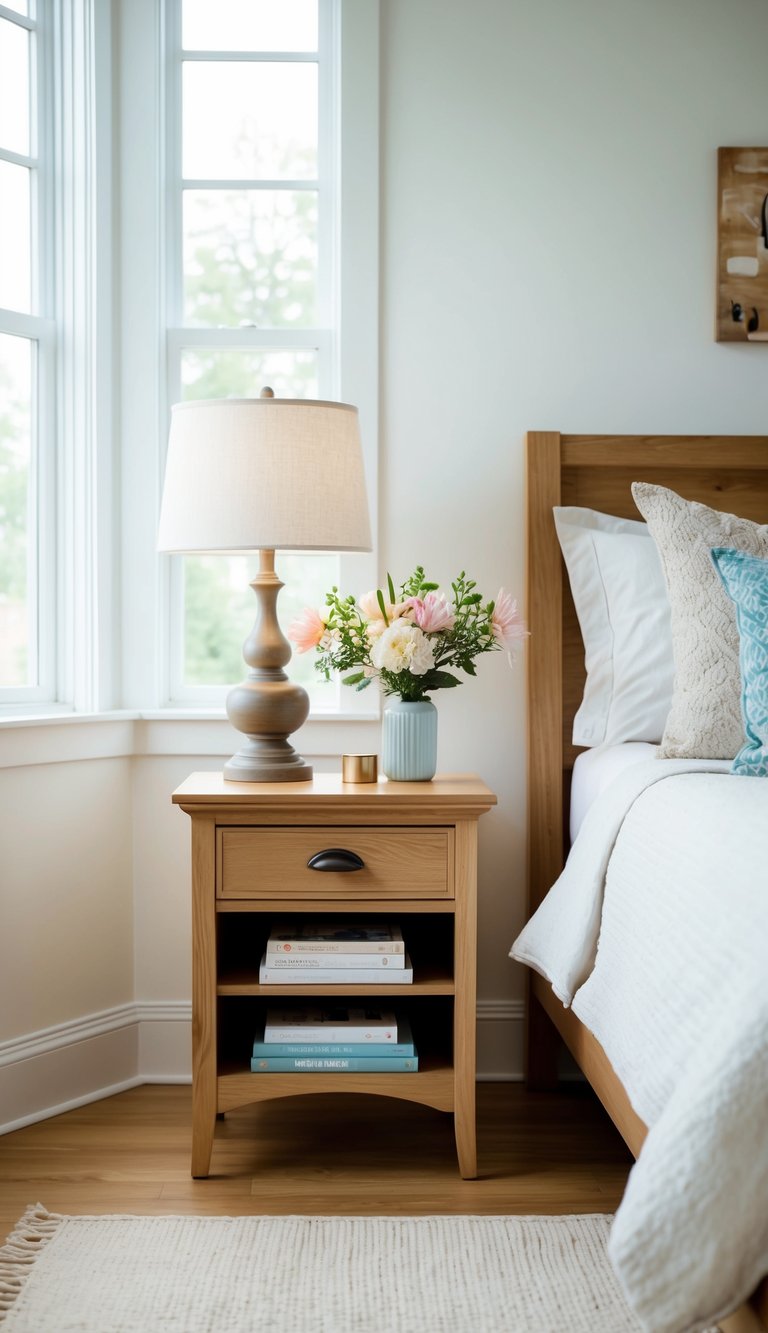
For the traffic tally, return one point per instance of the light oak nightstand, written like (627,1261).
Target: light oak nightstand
(250,846)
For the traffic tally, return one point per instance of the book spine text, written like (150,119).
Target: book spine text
(330,1065)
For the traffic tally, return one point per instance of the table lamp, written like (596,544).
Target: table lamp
(258,474)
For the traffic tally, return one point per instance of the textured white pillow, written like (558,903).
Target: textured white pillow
(623,610)
(705,719)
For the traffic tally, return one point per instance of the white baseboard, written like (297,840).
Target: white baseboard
(500,1053)
(165,1042)
(69,1033)
(45,1113)
(59,1068)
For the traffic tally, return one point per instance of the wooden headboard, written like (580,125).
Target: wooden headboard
(596,471)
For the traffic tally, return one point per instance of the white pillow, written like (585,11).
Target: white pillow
(705,719)
(622,605)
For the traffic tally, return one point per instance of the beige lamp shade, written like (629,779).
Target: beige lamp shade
(246,474)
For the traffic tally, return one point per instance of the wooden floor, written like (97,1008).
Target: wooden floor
(538,1153)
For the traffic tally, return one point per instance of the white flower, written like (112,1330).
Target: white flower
(403,647)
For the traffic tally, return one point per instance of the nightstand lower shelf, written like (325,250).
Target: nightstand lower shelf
(433,1086)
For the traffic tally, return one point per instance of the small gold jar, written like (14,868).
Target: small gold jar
(359,768)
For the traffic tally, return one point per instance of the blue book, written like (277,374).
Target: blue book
(403,1047)
(329,1064)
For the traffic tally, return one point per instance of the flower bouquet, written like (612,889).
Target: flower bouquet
(411,641)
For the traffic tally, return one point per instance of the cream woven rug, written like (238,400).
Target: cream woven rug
(309,1275)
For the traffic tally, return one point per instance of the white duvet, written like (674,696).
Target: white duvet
(656,934)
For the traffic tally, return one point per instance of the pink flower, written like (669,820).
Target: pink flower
(508,625)
(369,605)
(433,613)
(306,630)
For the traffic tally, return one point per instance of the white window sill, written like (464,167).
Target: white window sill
(66,737)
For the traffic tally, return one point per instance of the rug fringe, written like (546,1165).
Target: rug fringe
(21,1249)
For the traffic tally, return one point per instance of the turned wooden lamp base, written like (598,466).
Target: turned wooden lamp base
(267,707)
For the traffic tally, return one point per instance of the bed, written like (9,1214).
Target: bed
(726,473)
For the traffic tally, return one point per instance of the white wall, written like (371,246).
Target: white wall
(548,261)
(66,946)
(66,933)
(548,243)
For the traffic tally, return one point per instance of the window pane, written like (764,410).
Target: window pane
(15,534)
(14,237)
(255,121)
(14,87)
(249,25)
(206,373)
(220,609)
(250,258)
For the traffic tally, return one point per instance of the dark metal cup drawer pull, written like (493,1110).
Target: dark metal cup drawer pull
(335,858)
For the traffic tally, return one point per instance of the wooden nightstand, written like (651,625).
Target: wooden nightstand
(250,847)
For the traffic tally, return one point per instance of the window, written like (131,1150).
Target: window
(27,536)
(254,283)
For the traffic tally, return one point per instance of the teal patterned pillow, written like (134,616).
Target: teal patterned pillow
(745,578)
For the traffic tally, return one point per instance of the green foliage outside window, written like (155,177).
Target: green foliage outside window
(250,261)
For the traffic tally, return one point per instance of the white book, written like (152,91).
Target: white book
(330,1024)
(337,936)
(311,976)
(322,962)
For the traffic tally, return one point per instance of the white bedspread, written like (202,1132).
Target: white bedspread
(657,934)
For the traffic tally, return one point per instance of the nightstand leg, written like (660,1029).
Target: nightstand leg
(465,1008)
(204,1055)
(202,1142)
(466,1139)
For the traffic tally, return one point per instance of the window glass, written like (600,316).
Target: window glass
(249,25)
(16,640)
(256,120)
(220,608)
(211,373)
(14,87)
(250,258)
(15,285)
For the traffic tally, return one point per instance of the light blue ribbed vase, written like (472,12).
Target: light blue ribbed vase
(409,740)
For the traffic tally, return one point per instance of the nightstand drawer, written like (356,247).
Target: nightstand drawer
(273,863)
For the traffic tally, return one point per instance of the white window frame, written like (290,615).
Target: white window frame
(73,298)
(39,329)
(151,355)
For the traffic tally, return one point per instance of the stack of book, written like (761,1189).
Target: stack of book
(335,952)
(306,1040)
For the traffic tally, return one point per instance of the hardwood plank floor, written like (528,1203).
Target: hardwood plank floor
(538,1153)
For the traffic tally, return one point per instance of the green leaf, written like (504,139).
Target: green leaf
(440,680)
(391,587)
(382,607)
(364,683)
(355,678)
